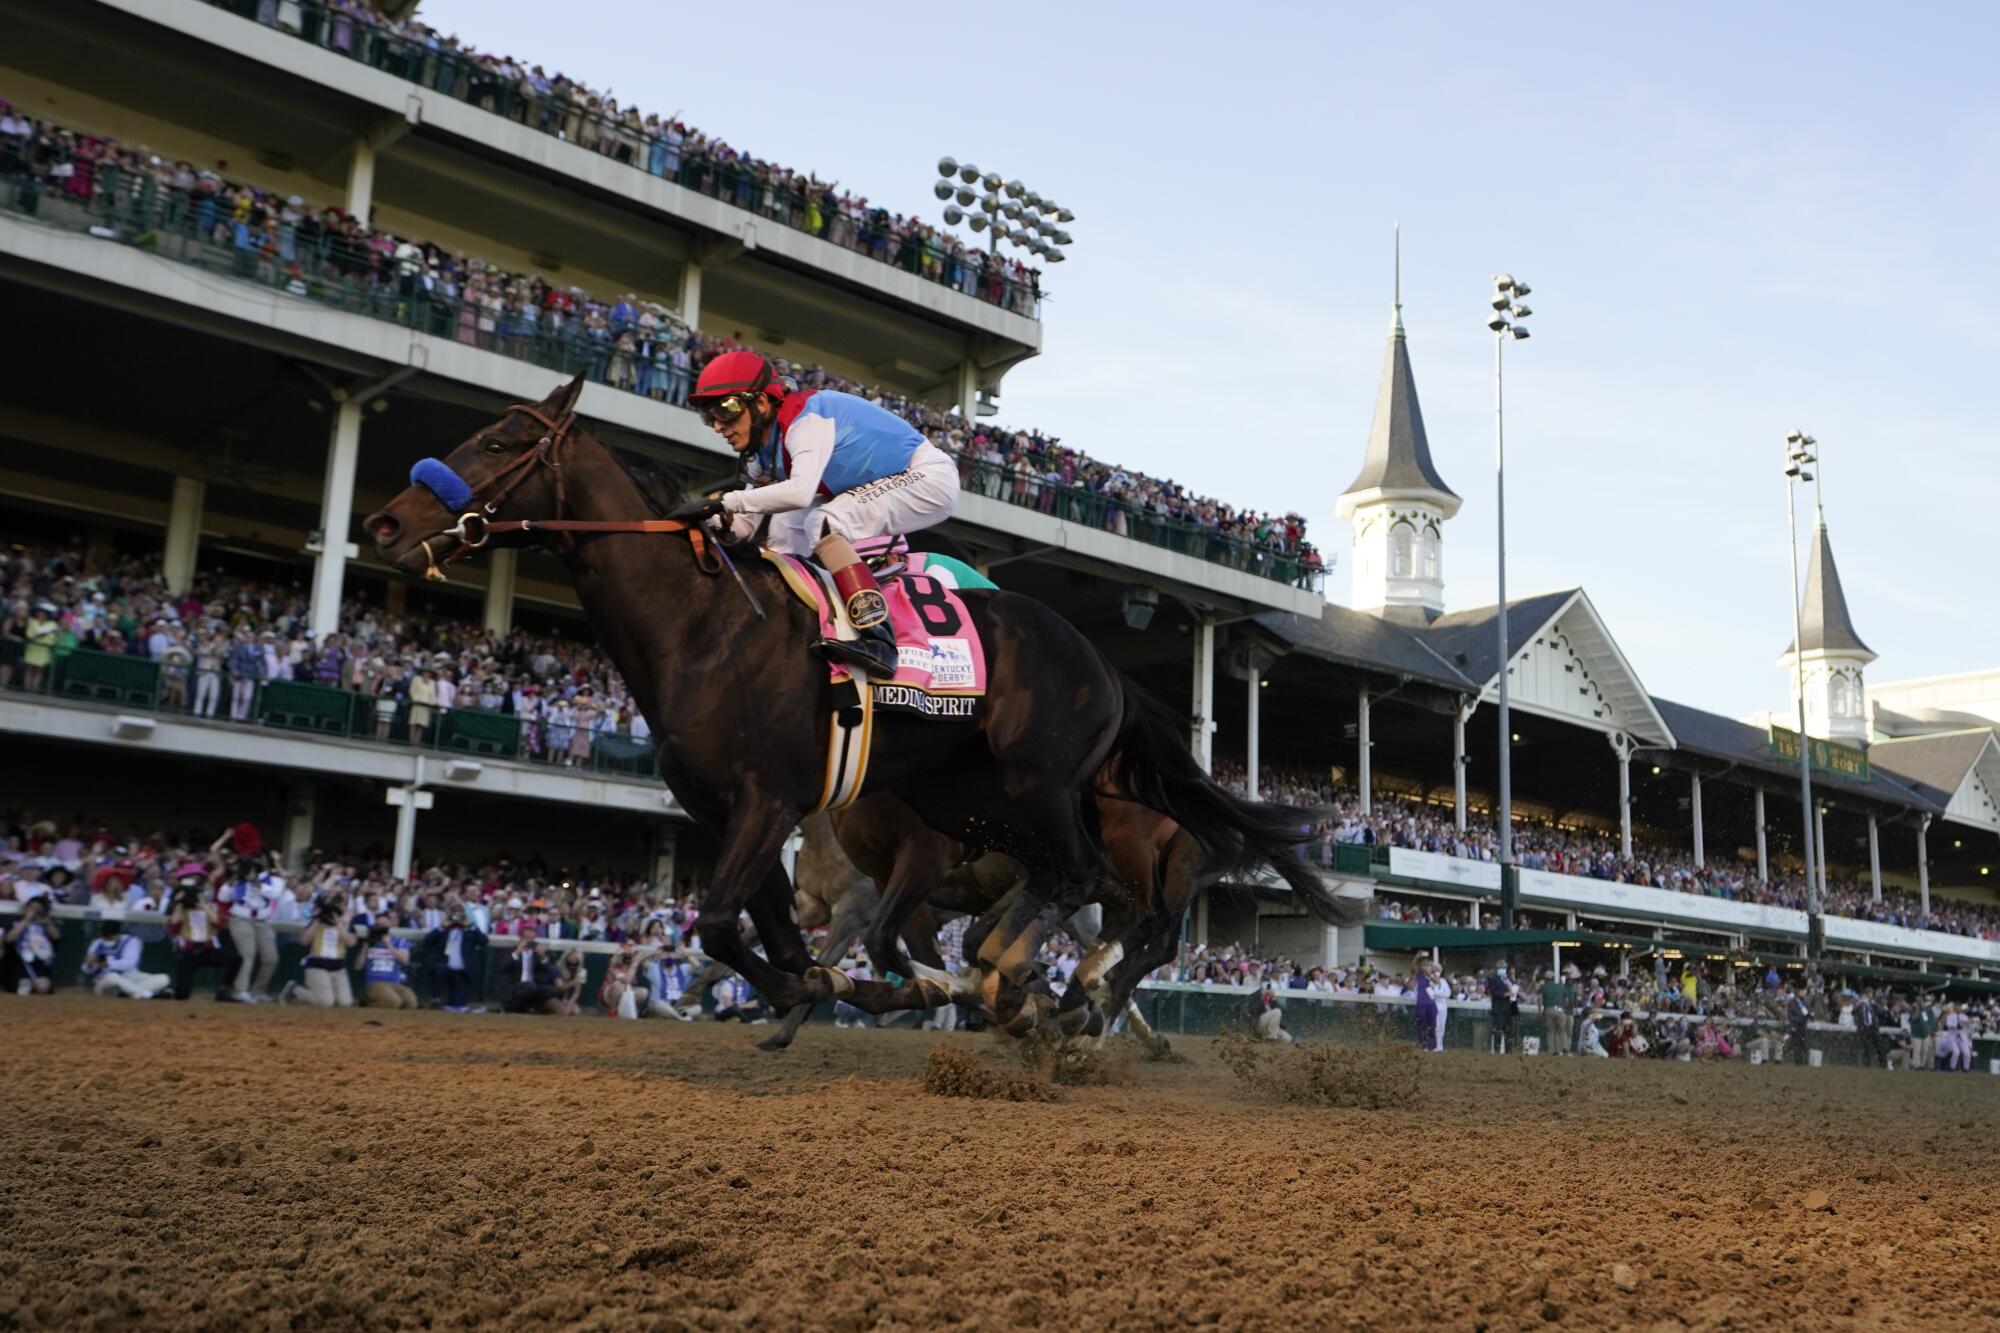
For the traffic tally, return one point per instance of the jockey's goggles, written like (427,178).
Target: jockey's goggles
(726,409)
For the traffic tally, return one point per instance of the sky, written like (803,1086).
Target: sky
(1736,219)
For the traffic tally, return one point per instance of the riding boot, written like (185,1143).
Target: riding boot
(874,651)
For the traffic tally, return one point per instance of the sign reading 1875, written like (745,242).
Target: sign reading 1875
(1847,761)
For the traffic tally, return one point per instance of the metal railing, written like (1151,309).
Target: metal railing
(302,259)
(142,684)
(626,138)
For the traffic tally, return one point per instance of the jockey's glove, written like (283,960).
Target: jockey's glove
(698,510)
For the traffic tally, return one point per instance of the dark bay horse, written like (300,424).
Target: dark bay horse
(739,708)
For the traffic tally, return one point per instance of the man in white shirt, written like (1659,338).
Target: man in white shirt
(112,966)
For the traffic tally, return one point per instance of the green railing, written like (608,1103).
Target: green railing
(748,186)
(322,710)
(197,229)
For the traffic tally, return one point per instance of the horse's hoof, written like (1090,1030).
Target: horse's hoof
(1075,1022)
(836,981)
(777,1041)
(934,995)
(1096,1026)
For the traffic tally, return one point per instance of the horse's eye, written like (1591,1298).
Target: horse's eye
(495,446)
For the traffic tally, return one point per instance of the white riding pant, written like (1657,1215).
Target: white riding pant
(921,496)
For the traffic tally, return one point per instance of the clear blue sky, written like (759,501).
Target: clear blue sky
(1736,218)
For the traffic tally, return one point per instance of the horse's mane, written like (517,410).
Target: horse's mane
(658,486)
(661,487)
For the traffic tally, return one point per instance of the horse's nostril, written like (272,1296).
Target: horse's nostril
(384,527)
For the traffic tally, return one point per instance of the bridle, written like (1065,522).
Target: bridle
(477,526)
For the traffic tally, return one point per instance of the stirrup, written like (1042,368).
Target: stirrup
(873,654)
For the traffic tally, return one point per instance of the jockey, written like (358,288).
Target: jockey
(831,470)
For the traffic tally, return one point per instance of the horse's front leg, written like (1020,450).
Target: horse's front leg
(752,836)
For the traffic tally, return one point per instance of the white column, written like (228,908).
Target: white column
(1366,779)
(1201,918)
(361,181)
(299,813)
(1621,745)
(407,800)
(1475,914)
(1252,752)
(1459,717)
(336,516)
(500,566)
(691,294)
(1694,805)
(1874,861)
(1924,862)
(1763,858)
(968,390)
(183,532)
(1203,740)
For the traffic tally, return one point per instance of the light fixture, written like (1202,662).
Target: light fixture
(953,215)
(947,167)
(966,195)
(942,189)
(990,204)
(978,222)
(991,180)
(1015,189)
(1518,332)
(1497,323)
(968,173)
(1064,215)
(1517,738)
(1656,770)
(1011,208)
(1956,843)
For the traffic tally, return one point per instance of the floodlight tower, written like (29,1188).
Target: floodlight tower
(1505,321)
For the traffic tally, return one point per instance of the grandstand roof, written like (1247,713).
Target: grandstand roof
(1399,453)
(1466,639)
(1963,766)
(1354,638)
(1824,622)
(1714,736)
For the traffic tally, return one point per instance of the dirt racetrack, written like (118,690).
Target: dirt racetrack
(209,1166)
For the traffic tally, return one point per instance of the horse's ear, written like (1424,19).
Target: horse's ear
(562,401)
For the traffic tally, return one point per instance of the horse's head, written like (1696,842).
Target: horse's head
(508,469)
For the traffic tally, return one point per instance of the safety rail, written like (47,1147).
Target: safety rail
(197,229)
(747,186)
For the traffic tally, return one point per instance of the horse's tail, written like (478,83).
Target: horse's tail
(1155,768)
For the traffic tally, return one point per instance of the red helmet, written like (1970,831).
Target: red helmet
(744,373)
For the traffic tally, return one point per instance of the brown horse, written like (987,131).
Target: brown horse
(739,709)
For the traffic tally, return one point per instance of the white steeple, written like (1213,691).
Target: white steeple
(1398,504)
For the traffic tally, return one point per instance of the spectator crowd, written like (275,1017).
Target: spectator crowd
(225,638)
(619,340)
(1394,821)
(571,109)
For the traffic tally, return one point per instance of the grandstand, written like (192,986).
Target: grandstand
(220,410)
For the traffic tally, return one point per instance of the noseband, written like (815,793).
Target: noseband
(477,525)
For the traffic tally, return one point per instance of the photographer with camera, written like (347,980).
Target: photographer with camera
(457,951)
(532,985)
(196,930)
(382,963)
(327,941)
(33,941)
(111,965)
(249,892)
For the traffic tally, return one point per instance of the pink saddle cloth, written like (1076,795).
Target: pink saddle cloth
(942,667)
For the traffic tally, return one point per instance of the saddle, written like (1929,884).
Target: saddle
(942,663)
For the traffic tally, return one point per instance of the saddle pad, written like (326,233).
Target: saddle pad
(942,662)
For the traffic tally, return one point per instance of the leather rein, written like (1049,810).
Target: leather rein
(476,527)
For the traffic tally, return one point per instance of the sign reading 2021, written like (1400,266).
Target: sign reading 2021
(1846,761)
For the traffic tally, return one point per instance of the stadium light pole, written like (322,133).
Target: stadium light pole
(1505,321)
(1000,202)
(1798,457)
